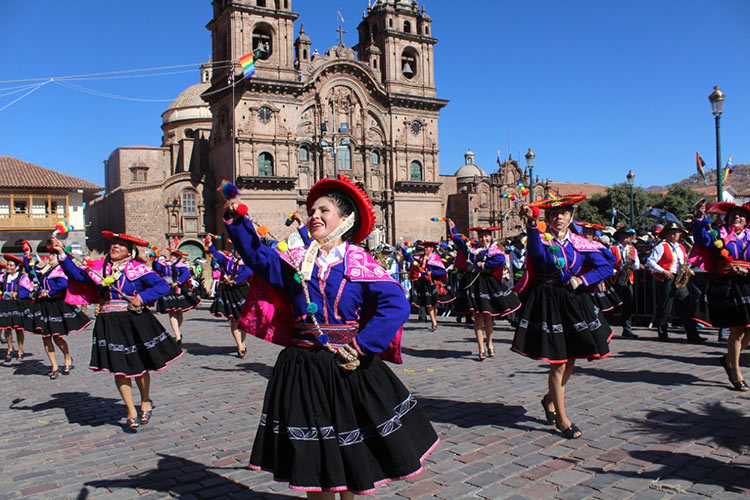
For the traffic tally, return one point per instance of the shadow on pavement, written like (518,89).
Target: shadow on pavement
(435,353)
(80,408)
(196,349)
(473,414)
(259,368)
(646,376)
(179,476)
(27,367)
(703,359)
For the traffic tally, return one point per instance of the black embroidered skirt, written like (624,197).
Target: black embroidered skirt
(326,429)
(557,324)
(725,302)
(229,300)
(605,297)
(462,304)
(179,299)
(488,295)
(55,317)
(130,344)
(15,314)
(423,293)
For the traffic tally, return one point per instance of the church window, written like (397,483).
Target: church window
(416,171)
(138,174)
(390,23)
(188,202)
(375,62)
(304,54)
(265,165)
(304,153)
(409,63)
(407,27)
(264,114)
(261,3)
(262,39)
(344,158)
(426,30)
(189,133)
(375,158)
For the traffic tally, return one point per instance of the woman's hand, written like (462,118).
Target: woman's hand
(700,210)
(298,219)
(136,301)
(451,224)
(231,206)
(527,213)
(575,282)
(57,246)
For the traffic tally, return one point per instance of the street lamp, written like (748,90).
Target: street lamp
(631,177)
(530,163)
(717,106)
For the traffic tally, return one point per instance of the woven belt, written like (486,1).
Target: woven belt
(338,335)
(114,306)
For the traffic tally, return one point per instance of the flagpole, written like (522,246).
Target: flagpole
(234,161)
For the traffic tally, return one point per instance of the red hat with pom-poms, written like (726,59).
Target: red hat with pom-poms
(363,205)
(124,237)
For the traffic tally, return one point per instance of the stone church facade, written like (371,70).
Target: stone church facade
(368,112)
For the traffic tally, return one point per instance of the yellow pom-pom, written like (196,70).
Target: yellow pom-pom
(282,246)
(547,237)
(718,243)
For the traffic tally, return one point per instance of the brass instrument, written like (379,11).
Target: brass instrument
(683,275)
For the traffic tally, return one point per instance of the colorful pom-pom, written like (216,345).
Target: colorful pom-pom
(68,249)
(718,244)
(547,237)
(729,259)
(261,230)
(535,211)
(312,308)
(229,190)
(560,262)
(437,219)
(323,338)
(724,253)
(297,278)
(108,281)
(554,249)
(242,210)
(282,246)
(714,233)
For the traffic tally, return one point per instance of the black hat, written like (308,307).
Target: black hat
(623,232)
(671,226)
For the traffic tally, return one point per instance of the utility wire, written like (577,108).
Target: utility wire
(25,87)
(121,72)
(106,94)
(27,93)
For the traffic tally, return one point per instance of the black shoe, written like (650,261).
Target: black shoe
(629,335)
(663,338)
(696,340)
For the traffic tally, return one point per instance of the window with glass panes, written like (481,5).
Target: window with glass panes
(188,202)
(416,171)
(265,165)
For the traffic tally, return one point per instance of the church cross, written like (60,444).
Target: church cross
(341,32)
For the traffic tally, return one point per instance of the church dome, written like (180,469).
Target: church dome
(470,169)
(188,105)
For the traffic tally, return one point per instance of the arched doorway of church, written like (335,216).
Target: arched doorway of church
(194,250)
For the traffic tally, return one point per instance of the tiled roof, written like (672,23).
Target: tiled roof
(572,188)
(15,173)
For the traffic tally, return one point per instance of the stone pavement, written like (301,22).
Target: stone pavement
(658,421)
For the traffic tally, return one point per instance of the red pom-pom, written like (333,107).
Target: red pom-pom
(729,259)
(535,211)
(262,230)
(242,210)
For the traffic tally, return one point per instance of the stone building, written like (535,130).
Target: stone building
(156,193)
(477,201)
(369,112)
(33,199)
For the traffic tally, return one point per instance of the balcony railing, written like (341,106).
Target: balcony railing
(30,221)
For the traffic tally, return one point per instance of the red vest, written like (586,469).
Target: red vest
(618,264)
(668,258)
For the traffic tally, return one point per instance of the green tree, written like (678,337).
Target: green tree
(681,201)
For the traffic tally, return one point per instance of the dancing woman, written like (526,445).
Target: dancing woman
(15,305)
(231,293)
(428,288)
(727,295)
(181,297)
(50,316)
(558,321)
(487,295)
(335,418)
(129,341)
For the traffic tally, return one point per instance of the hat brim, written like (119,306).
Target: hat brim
(591,225)
(561,201)
(725,207)
(482,228)
(363,205)
(12,258)
(124,237)
(177,252)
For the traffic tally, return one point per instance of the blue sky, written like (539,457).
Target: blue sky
(594,87)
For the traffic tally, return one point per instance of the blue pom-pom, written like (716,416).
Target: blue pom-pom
(561,262)
(323,338)
(297,278)
(229,191)
(312,308)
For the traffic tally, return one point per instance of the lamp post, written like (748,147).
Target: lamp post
(631,177)
(530,163)
(717,106)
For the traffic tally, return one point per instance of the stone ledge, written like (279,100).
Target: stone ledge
(266,182)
